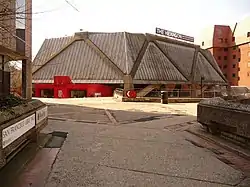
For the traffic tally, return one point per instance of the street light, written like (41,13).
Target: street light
(202,78)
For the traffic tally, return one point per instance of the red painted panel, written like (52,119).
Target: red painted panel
(64,89)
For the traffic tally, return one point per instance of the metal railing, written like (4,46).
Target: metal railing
(184,93)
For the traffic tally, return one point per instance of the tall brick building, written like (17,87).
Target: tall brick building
(230,46)
(16,38)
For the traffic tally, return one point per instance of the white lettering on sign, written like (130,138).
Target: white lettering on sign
(41,114)
(174,35)
(11,133)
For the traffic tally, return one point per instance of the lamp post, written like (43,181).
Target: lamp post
(202,78)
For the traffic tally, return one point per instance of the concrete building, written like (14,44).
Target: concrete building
(94,64)
(230,46)
(16,39)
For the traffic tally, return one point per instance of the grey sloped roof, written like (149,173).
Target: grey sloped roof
(134,45)
(156,67)
(110,56)
(48,49)
(80,62)
(205,69)
(182,55)
(113,45)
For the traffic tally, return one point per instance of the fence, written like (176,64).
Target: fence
(184,93)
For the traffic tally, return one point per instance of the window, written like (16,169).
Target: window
(225,57)
(248,34)
(225,49)
(234,47)
(248,74)
(219,57)
(202,43)
(234,75)
(248,64)
(238,69)
(225,66)
(234,56)
(238,78)
(238,59)
(234,65)
(233,39)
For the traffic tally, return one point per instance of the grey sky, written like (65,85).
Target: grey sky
(183,16)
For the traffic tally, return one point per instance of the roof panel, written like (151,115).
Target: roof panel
(134,45)
(48,49)
(204,68)
(181,55)
(80,62)
(156,66)
(113,45)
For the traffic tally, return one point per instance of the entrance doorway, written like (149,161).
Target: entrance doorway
(78,93)
(48,93)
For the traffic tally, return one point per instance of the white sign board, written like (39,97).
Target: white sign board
(174,35)
(41,114)
(11,133)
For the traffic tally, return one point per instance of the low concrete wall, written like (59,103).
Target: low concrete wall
(19,124)
(220,115)
(118,94)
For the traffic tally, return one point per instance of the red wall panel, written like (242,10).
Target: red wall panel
(63,86)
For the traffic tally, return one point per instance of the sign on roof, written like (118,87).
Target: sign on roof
(174,35)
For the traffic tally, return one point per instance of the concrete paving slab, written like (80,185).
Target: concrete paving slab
(78,113)
(80,129)
(122,116)
(114,177)
(174,160)
(110,103)
(165,122)
(143,134)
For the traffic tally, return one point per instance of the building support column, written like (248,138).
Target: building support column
(26,79)
(128,84)
(193,91)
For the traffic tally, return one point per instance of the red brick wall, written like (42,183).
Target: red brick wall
(232,59)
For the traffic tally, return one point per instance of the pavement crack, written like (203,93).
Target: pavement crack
(166,175)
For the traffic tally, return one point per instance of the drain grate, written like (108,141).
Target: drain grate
(57,139)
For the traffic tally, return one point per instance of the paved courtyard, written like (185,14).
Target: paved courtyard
(117,144)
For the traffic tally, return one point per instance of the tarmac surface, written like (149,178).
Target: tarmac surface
(118,144)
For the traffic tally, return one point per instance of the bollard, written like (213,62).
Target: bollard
(164,97)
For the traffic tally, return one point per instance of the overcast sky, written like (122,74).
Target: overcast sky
(183,16)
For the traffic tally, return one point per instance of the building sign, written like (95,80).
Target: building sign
(41,114)
(11,133)
(174,35)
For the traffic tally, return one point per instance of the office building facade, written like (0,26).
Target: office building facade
(230,46)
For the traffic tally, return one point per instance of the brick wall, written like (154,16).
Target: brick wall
(7,25)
